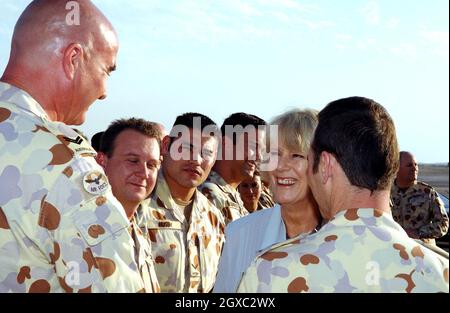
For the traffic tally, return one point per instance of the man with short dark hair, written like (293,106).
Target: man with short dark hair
(186,230)
(416,205)
(352,162)
(243,137)
(96,140)
(130,156)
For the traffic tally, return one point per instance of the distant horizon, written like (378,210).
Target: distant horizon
(435,163)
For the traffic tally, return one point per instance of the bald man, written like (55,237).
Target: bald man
(416,205)
(61,229)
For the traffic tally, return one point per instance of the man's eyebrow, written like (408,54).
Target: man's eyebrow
(132,154)
(208,149)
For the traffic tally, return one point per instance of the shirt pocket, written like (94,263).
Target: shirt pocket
(95,229)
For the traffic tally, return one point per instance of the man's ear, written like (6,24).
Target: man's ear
(326,166)
(165,145)
(102,159)
(72,57)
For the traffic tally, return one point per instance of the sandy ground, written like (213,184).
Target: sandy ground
(435,175)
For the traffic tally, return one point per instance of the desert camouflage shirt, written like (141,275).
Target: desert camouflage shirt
(359,250)
(420,210)
(224,197)
(186,253)
(143,255)
(61,229)
(265,199)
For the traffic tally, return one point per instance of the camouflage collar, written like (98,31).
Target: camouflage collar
(19,97)
(164,197)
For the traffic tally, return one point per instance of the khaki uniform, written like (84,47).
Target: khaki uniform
(61,229)
(419,209)
(224,197)
(359,250)
(186,253)
(143,255)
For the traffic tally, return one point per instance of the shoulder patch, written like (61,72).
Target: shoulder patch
(95,182)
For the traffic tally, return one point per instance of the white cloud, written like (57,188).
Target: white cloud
(439,41)
(366,44)
(281,17)
(393,23)
(405,50)
(223,20)
(288,4)
(371,13)
(315,25)
(344,37)
(244,8)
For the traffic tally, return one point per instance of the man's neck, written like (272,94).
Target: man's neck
(354,197)
(33,91)
(252,205)
(403,184)
(224,169)
(130,209)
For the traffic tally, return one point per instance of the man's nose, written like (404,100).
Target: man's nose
(259,154)
(143,171)
(196,158)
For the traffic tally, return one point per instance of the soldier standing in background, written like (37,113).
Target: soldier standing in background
(416,205)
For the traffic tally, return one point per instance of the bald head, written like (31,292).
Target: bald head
(408,170)
(47,26)
(68,43)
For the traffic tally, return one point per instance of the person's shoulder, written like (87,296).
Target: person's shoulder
(423,184)
(212,192)
(209,185)
(203,201)
(425,187)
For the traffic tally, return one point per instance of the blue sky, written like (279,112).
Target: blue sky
(265,56)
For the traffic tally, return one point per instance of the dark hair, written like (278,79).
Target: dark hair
(360,133)
(140,125)
(96,141)
(187,119)
(190,120)
(241,119)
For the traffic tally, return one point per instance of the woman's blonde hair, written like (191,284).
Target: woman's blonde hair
(296,128)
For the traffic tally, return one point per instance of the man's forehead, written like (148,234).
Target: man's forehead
(258,135)
(408,158)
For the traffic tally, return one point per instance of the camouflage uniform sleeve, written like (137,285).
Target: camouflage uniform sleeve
(92,249)
(249,281)
(438,225)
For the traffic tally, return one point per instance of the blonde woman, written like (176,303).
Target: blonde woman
(296,212)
